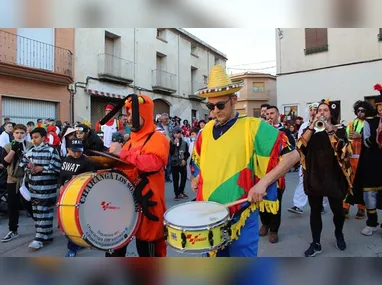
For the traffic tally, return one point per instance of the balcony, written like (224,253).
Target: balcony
(27,58)
(163,81)
(115,69)
(194,87)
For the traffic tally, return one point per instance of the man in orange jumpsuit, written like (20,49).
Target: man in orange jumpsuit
(147,151)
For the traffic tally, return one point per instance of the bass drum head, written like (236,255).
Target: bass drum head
(108,213)
(196,214)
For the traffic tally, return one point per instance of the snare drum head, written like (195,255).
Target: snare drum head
(108,213)
(196,214)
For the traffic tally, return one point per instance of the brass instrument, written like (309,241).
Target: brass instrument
(320,124)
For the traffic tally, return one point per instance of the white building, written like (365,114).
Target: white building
(340,64)
(169,65)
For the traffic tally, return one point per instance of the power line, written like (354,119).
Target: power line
(249,69)
(254,63)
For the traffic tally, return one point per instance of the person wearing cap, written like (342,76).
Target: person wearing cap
(44,164)
(179,155)
(147,151)
(300,198)
(325,155)
(68,134)
(10,158)
(90,139)
(368,181)
(238,157)
(112,126)
(74,164)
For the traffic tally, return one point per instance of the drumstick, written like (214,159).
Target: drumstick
(225,206)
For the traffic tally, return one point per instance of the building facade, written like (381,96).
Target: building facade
(36,67)
(169,65)
(340,64)
(258,89)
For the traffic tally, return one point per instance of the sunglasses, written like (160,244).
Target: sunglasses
(220,105)
(361,110)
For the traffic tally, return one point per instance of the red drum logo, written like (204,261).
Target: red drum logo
(107,206)
(196,238)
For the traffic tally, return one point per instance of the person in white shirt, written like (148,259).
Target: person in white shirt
(6,136)
(30,126)
(300,198)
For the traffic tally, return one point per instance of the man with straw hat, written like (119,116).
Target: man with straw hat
(238,157)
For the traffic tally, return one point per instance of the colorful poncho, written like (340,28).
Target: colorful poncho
(229,166)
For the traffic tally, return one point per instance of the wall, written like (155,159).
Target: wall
(90,42)
(348,84)
(33,89)
(345,45)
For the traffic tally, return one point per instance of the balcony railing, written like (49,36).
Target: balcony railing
(114,68)
(163,81)
(22,51)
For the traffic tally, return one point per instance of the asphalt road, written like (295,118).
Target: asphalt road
(294,235)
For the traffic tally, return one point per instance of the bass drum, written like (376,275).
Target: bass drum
(98,210)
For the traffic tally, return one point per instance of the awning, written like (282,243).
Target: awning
(106,89)
(105,94)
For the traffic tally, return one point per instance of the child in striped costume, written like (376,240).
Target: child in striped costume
(44,165)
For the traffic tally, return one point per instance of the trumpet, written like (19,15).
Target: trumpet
(320,124)
(270,121)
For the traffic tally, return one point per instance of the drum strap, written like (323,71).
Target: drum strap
(238,213)
(140,184)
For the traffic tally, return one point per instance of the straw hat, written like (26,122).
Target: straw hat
(219,84)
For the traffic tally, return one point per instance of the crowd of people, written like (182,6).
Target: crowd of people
(228,158)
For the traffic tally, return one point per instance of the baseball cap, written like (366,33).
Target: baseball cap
(76,145)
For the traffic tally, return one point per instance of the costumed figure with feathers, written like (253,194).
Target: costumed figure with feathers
(367,186)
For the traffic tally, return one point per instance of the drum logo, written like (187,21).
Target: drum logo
(173,236)
(107,206)
(193,239)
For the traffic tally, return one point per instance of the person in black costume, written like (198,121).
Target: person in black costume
(327,172)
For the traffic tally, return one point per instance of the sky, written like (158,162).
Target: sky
(247,48)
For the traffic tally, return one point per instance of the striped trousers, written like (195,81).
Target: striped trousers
(43,220)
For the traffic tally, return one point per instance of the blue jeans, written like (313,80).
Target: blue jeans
(168,169)
(73,246)
(247,243)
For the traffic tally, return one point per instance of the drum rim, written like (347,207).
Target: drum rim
(195,228)
(77,210)
(198,251)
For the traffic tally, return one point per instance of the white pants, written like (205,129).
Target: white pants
(300,198)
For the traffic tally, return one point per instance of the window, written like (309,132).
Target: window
(161,35)
(258,87)
(194,49)
(256,112)
(380,35)
(205,79)
(216,60)
(316,41)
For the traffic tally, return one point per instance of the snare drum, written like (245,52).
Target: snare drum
(98,210)
(197,227)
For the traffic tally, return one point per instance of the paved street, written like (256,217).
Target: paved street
(294,235)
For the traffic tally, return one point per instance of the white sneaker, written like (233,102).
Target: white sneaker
(36,244)
(368,231)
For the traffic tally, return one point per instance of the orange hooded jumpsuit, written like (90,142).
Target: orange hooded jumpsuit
(148,151)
